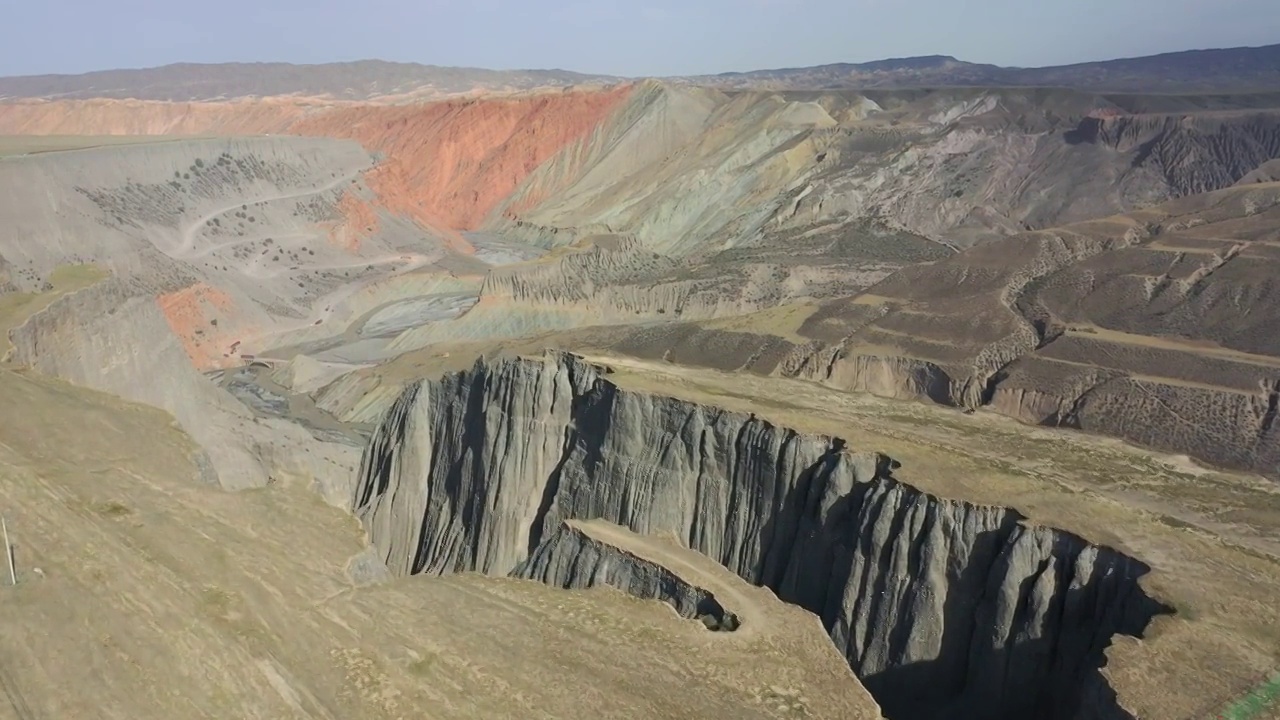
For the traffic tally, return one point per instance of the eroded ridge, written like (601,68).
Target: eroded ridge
(941,607)
(584,555)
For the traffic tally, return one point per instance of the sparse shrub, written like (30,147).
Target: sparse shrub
(186,176)
(199,163)
(112,509)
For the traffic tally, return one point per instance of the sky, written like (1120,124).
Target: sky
(615,37)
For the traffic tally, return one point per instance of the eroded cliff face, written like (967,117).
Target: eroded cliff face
(1194,154)
(573,558)
(942,608)
(451,163)
(686,169)
(446,164)
(617,279)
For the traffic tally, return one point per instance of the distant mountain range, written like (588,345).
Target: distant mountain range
(359,80)
(1256,68)
(1225,70)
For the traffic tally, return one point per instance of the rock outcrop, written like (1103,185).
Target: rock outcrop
(942,608)
(688,169)
(1194,153)
(574,558)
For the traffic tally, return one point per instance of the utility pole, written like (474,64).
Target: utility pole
(8,552)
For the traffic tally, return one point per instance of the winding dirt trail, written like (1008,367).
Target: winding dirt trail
(186,247)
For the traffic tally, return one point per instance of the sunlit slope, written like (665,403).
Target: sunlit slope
(688,169)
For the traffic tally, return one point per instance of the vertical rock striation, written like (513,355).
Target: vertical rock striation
(942,608)
(573,559)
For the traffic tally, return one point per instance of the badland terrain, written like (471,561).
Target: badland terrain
(911,389)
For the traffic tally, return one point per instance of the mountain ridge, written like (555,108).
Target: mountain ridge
(1222,69)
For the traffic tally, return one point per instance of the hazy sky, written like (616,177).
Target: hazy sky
(623,37)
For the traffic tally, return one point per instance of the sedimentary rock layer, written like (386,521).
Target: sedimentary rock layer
(184,229)
(575,557)
(938,605)
(686,169)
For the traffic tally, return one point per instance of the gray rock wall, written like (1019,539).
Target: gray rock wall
(571,559)
(942,608)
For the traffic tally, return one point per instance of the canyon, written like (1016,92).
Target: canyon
(789,395)
(938,605)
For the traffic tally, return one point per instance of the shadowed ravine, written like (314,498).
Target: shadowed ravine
(943,608)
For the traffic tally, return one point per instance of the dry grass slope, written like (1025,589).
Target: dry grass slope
(143,594)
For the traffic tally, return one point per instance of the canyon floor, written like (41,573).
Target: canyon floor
(279,437)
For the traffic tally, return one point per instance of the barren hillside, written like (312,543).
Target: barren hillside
(649,203)
(335,302)
(143,593)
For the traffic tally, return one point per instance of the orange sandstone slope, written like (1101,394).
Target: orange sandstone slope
(451,163)
(446,164)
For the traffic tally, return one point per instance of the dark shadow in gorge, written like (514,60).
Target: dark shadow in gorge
(992,662)
(1039,678)
(942,608)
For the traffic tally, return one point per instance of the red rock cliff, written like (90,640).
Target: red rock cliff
(446,164)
